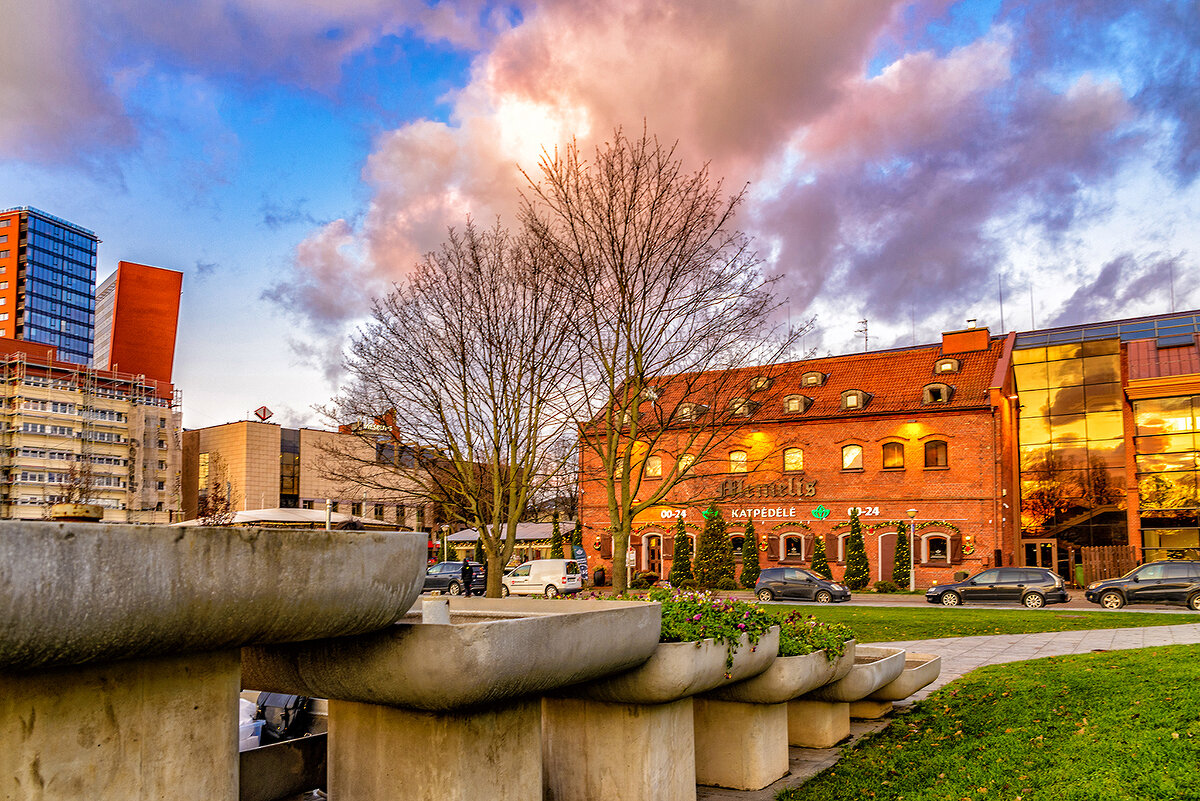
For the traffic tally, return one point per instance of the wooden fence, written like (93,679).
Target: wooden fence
(1109,561)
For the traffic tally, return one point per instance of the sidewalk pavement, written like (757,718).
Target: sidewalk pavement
(961,655)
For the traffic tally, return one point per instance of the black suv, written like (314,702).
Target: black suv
(1033,586)
(447,577)
(1174,582)
(798,584)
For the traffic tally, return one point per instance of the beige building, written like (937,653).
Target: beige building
(266,466)
(71,433)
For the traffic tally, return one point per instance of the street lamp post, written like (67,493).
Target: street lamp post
(912,550)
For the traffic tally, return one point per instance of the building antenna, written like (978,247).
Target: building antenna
(1000,286)
(863,331)
(1171,273)
(912,313)
(1032,321)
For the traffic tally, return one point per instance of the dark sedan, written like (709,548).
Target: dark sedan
(1176,582)
(1032,586)
(447,577)
(798,584)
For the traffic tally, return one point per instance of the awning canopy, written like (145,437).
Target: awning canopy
(526,532)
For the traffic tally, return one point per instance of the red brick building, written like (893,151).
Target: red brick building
(929,428)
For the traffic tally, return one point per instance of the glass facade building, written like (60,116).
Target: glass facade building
(56,284)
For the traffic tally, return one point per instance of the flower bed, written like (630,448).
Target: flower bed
(801,634)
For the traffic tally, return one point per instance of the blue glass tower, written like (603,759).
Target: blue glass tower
(56,284)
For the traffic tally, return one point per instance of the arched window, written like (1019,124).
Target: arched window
(685,462)
(761,383)
(793,459)
(937,549)
(893,456)
(793,547)
(742,407)
(812,379)
(946,365)
(855,399)
(737,461)
(796,404)
(852,457)
(653,466)
(935,454)
(737,541)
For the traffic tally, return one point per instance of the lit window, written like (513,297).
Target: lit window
(741,407)
(685,462)
(935,453)
(3,315)
(3,285)
(796,403)
(938,549)
(793,459)
(690,411)
(651,393)
(737,461)
(654,466)
(813,379)
(946,366)
(852,457)
(893,455)
(760,383)
(793,547)
(854,399)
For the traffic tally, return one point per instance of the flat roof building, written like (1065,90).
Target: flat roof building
(137,314)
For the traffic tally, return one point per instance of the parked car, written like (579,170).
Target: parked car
(1174,582)
(447,577)
(1032,586)
(796,583)
(549,577)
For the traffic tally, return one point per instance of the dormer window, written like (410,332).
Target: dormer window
(690,411)
(813,379)
(936,393)
(760,383)
(651,393)
(946,365)
(855,399)
(796,404)
(742,407)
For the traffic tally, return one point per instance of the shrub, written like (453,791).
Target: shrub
(800,634)
(556,540)
(714,552)
(726,584)
(681,559)
(900,570)
(886,586)
(820,564)
(642,581)
(750,566)
(858,571)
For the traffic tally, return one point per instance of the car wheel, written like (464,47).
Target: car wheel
(1034,601)
(823,597)
(1194,602)
(950,599)
(455,588)
(503,590)
(551,591)
(766,595)
(1112,600)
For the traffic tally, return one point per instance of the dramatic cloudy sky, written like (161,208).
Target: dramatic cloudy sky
(907,161)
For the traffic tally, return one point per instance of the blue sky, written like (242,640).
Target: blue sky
(905,160)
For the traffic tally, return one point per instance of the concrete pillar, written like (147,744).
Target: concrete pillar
(817,724)
(633,752)
(740,746)
(149,728)
(866,709)
(382,753)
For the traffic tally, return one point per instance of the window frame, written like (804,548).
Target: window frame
(892,447)
(857,469)
(733,463)
(793,449)
(945,454)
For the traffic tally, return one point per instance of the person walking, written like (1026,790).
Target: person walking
(466,574)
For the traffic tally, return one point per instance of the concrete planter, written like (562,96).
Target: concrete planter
(788,677)
(919,671)
(873,668)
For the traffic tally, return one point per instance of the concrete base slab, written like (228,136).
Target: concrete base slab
(634,752)
(740,746)
(817,724)
(148,728)
(380,753)
(867,709)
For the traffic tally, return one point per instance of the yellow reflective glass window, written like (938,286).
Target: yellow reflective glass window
(1167,490)
(1166,462)
(852,457)
(893,455)
(1104,425)
(1068,427)
(654,466)
(1033,458)
(1066,400)
(1034,403)
(1099,347)
(1034,430)
(1031,376)
(1168,443)
(685,462)
(1108,452)
(1070,350)
(1101,369)
(1029,355)
(1102,397)
(737,461)
(1070,456)
(1162,415)
(793,459)
(1066,373)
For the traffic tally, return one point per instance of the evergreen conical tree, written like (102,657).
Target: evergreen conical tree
(556,540)
(901,568)
(820,563)
(681,560)
(577,534)
(858,571)
(714,553)
(750,565)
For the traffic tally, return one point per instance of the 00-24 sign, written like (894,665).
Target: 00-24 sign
(864,511)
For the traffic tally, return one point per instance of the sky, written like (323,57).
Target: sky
(911,163)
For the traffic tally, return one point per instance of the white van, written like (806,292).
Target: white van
(549,577)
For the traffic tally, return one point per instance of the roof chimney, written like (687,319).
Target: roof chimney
(968,340)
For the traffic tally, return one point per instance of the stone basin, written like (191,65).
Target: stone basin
(788,677)
(874,667)
(492,650)
(682,669)
(78,593)
(919,671)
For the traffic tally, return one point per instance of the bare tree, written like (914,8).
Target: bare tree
(670,303)
(467,359)
(218,500)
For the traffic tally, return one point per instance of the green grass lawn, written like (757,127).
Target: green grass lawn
(1112,726)
(889,623)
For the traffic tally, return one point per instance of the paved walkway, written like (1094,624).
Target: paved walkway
(961,655)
